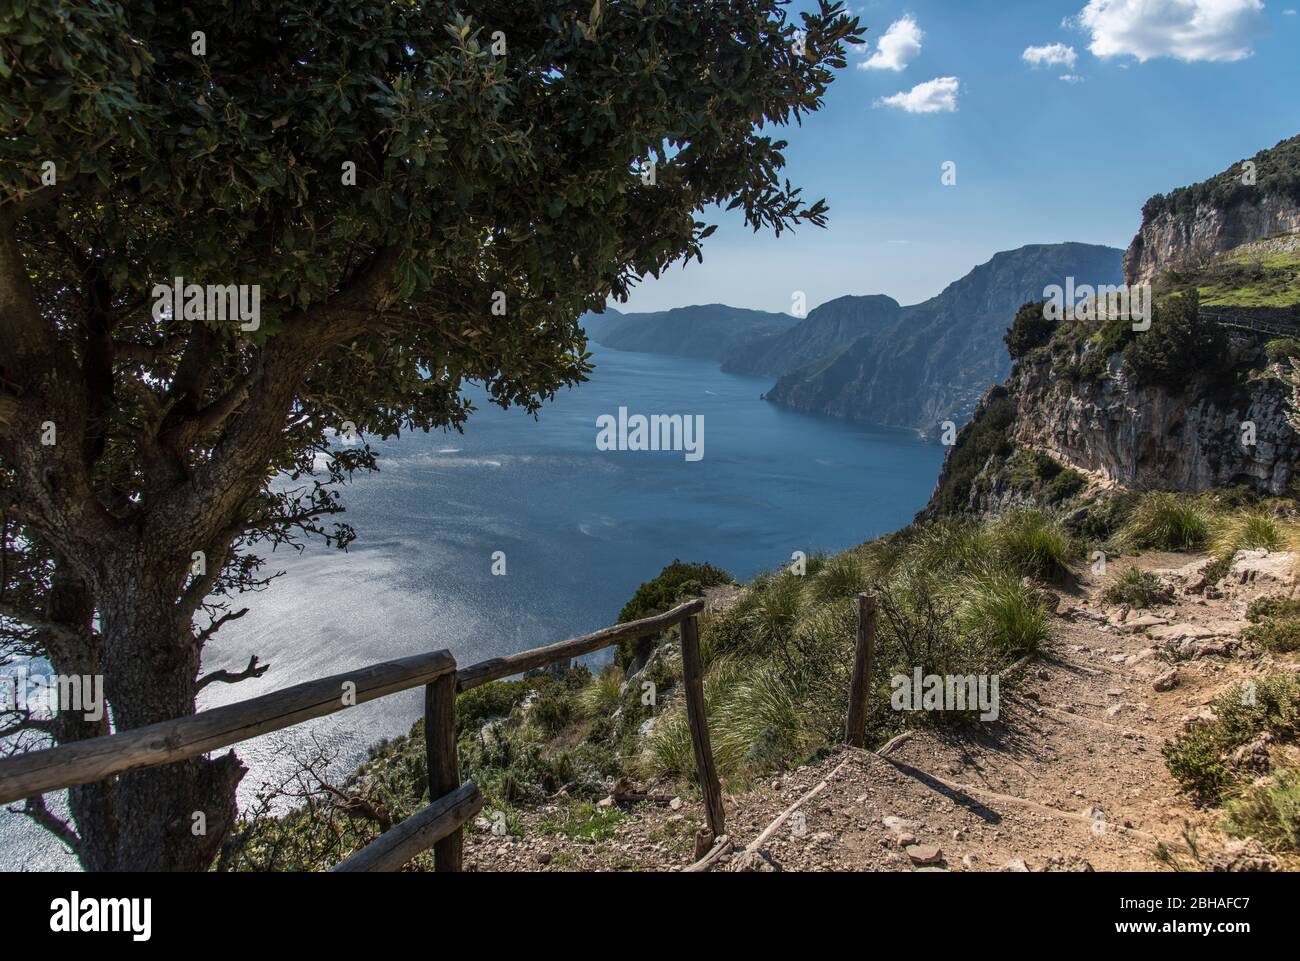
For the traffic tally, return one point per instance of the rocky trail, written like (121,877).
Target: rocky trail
(1070,776)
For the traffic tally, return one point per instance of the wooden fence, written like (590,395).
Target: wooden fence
(452,804)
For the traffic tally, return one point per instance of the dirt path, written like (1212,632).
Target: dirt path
(1070,777)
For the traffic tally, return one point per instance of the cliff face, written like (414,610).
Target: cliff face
(933,363)
(1251,200)
(1194,402)
(1118,432)
(1172,241)
(1146,437)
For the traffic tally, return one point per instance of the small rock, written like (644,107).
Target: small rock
(899,824)
(1016,866)
(544,857)
(1144,621)
(1114,709)
(675,804)
(924,854)
(1166,681)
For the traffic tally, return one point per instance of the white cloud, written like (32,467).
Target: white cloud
(1190,30)
(1071,78)
(898,47)
(934,96)
(1050,55)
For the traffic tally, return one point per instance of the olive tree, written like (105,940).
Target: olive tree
(408,196)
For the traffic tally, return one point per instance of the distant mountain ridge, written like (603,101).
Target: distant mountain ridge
(825,332)
(936,359)
(867,358)
(704,331)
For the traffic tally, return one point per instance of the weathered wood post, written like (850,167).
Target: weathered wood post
(855,729)
(693,672)
(440,752)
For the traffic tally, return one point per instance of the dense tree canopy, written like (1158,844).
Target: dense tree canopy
(424,194)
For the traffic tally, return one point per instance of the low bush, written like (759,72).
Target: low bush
(1200,758)
(1007,612)
(1033,544)
(1279,635)
(674,583)
(1269,813)
(1167,522)
(1137,588)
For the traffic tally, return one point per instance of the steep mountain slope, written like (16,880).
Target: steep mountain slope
(706,331)
(1200,400)
(936,360)
(826,331)
(1191,224)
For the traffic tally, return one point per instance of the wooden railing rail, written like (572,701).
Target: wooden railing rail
(442,819)
(440,824)
(94,759)
(499,667)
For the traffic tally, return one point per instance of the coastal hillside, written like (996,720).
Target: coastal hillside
(1251,200)
(704,331)
(1199,402)
(939,356)
(826,331)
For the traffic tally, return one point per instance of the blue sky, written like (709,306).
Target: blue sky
(1162,93)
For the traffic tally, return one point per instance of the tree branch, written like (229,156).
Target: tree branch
(226,677)
(34,808)
(38,623)
(218,623)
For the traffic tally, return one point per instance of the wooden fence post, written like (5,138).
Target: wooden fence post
(444,768)
(693,671)
(860,686)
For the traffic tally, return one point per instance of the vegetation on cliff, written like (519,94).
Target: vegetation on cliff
(1277,171)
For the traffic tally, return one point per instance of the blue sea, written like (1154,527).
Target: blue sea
(580,529)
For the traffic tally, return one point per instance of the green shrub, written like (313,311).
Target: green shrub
(1265,608)
(1200,757)
(1177,342)
(1280,635)
(477,706)
(773,613)
(1281,350)
(1247,530)
(675,582)
(1269,812)
(600,697)
(989,434)
(1030,329)
(1034,545)
(1006,612)
(840,577)
(1137,588)
(1167,522)
(1065,485)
